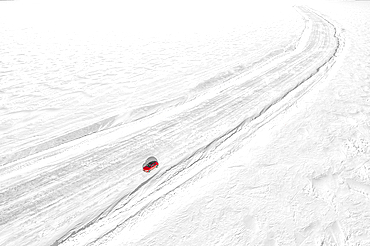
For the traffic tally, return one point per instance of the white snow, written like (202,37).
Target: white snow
(257,112)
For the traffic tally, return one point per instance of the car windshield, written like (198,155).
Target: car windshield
(151,164)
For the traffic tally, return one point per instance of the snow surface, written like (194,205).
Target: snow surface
(257,113)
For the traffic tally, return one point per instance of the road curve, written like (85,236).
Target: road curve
(73,197)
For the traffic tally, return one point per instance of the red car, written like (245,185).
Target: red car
(150,164)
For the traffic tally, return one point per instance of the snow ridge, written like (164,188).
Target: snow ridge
(74,135)
(187,171)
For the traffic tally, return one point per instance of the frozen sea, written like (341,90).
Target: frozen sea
(72,68)
(258,113)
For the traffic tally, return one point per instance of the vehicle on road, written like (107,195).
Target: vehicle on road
(150,164)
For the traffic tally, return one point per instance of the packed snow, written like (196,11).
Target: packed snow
(258,114)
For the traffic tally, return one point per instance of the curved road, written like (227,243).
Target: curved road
(70,196)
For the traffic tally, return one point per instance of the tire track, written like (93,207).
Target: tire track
(189,169)
(43,188)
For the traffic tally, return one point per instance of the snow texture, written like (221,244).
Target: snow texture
(258,114)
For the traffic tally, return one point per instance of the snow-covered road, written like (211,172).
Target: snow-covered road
(88,190)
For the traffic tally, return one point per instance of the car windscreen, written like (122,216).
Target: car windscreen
(151,164)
